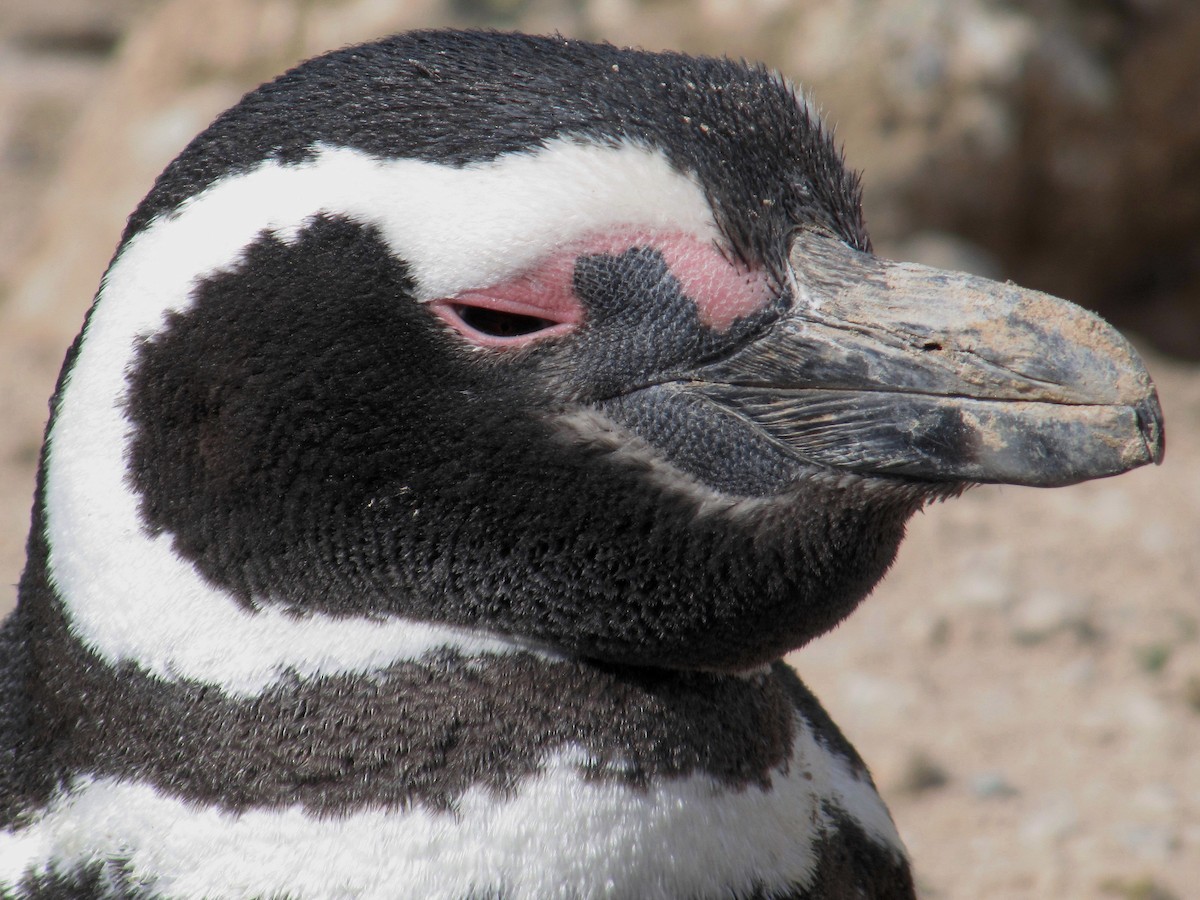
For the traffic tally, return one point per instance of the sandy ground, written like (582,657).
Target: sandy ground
(1025,683)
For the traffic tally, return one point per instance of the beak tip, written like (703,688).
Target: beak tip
(1150,423)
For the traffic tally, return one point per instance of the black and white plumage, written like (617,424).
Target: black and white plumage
(465,427)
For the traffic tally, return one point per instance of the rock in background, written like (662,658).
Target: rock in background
(1026,683)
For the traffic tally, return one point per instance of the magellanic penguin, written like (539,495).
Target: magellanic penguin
(465,427)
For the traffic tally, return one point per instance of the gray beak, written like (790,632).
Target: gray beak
(898,369)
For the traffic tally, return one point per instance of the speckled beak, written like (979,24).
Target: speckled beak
(899,369)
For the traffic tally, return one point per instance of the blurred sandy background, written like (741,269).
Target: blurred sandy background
(1026,683)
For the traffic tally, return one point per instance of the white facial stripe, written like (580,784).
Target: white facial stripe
(684,838)
(458,228)
(128,595)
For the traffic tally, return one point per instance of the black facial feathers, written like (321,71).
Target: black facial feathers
(309,437)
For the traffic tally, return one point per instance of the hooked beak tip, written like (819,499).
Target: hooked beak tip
(1150,423)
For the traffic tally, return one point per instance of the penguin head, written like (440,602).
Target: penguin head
(523,336)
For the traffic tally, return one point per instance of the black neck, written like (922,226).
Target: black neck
(416,733)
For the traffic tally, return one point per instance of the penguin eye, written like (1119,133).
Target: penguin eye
(499,319)
(498,323)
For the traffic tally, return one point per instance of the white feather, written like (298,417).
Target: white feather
(559,836)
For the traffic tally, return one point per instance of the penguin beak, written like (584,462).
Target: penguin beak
(897,369)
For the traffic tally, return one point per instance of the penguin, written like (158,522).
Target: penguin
(466,426)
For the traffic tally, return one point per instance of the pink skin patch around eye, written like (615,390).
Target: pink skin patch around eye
(723,291)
